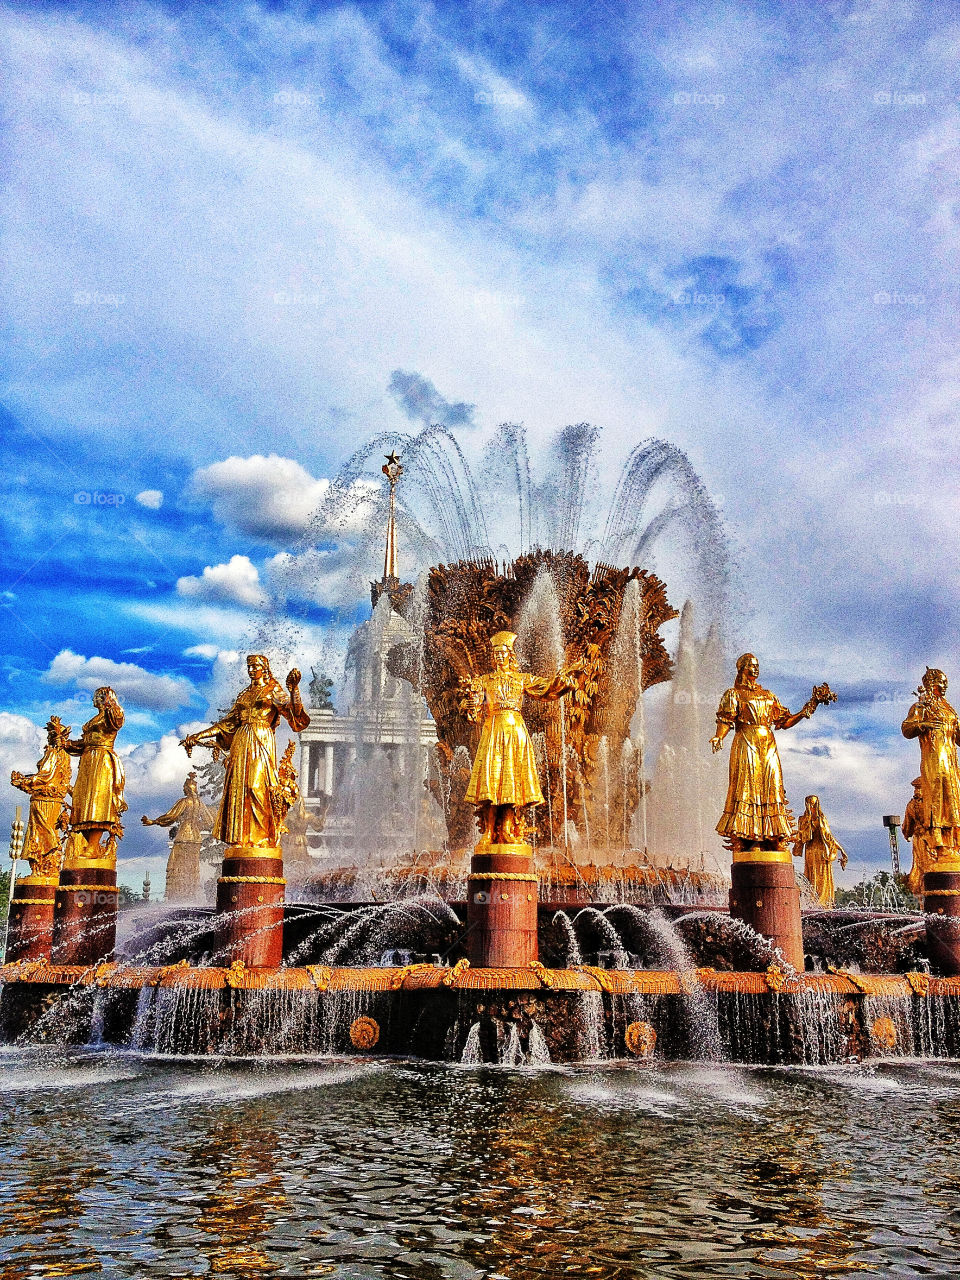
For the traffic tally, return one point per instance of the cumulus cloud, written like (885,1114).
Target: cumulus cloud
(130,682)
(267,497)
(236,582)
(21,745)
(152,498)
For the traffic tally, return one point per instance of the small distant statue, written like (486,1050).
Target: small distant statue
(935,723)
(820,850)
(98,801)
(251,813)
(914,831)
(756,814)
(48,789)
(504,778)
(321,691)
(188,819)
(296,848)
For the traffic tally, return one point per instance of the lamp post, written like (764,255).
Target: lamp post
(16,846)
(892,821)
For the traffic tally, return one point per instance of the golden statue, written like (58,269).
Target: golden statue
(98,802)
(914,830)
(820,850)
(190,818)
(935,723)
(296,847)
(49,812)
(756,814)
(504,775)
(255,795)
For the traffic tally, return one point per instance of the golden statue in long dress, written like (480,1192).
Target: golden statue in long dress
(820,850)
(98,802)
(47,789)
(253,802)
(192,818)
(914,831)
(935,723)
(504,775)
(756,813)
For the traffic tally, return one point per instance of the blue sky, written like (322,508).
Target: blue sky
(227,228)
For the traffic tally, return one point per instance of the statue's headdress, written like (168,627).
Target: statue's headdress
(55,725)
(503,640)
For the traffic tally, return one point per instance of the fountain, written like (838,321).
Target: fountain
(559,934)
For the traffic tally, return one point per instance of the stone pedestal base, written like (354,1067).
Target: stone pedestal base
(85,915)
(941,904)
(183,874)
(502,907)
(30,923)
(764,895)
(250,908)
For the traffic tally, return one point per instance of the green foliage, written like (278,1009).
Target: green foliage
(4,894)
(126,897)
(882,892)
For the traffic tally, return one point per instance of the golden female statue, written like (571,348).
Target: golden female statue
(756,814)
(913,830)
(821,850)
(934,722)
(504,775)
(191,818)
(47,789)
(98,803)
(253,803)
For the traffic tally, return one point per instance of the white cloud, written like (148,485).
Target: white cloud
(130,682)
(267,497)
(152,498)
(208,651)
(237,582)
(21,746)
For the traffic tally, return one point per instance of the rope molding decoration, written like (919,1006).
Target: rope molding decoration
(31,902)
(251,880)
(503,875)
(86,888)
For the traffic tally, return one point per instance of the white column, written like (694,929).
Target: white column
(328,768)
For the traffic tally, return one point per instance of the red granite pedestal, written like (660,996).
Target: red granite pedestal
(941,904)
(30,921)
(250,907)
(502,907)
(85,915)
(764,895)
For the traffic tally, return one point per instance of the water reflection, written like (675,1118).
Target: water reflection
(245,1197)
(421,1173)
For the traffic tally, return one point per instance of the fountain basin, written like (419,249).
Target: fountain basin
(511,1016)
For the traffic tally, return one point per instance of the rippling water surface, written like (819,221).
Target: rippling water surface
(121,1166)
